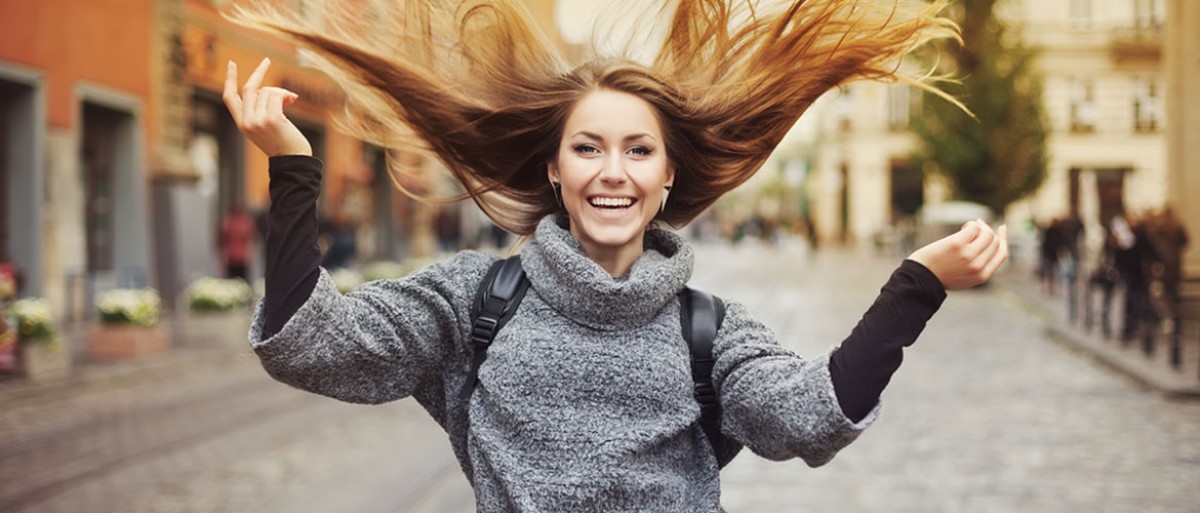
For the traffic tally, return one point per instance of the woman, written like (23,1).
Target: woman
(584,402)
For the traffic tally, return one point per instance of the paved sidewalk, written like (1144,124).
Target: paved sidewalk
(1154,371)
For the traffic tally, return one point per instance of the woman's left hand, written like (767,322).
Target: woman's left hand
(966,258)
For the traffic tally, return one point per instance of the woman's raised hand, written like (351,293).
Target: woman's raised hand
(258,112)
(966,258)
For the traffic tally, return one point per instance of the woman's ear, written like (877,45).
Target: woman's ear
(552,172)
(670,176)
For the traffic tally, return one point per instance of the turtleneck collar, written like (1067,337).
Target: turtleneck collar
(578,288)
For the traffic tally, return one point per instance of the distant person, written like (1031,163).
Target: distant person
(1133,258)
(1071,231)
(343,244)
(1170,239)
(1048,252)
(237,240)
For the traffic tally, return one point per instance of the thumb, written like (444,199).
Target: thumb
(290,98)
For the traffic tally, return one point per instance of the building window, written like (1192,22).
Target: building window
(1148,13)
(1083,105)
(1146,105)
(843,110)
(901,103)
(1081,13)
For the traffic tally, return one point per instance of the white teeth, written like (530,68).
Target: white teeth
(612,202)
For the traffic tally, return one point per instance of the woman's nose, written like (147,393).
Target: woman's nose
(613,170)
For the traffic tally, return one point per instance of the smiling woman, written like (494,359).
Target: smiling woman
(586,402)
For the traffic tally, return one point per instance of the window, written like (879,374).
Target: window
(1081,13)
(1146,105)
(901,102)
(843,109)
(1083,105)
(1147,13)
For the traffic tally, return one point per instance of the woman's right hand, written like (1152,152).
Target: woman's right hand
(966,258)
(258,112)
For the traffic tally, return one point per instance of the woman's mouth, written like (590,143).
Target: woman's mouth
(611,202)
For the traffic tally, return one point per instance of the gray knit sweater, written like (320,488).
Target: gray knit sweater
(585,400)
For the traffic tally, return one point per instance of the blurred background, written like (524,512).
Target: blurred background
(131,221)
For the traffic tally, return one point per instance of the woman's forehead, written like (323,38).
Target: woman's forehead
(609,114)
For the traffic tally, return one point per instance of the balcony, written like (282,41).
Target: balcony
(1141,43)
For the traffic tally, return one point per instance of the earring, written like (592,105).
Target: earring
(557,193)
(666,192)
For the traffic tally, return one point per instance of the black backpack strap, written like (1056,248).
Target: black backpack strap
(701,315)
(495,302)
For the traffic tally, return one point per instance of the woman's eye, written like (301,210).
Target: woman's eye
(641,151)
(586,149)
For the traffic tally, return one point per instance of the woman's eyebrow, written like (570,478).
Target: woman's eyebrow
(598,137)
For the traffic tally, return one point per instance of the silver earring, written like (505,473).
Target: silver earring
(557,193)
(666,192)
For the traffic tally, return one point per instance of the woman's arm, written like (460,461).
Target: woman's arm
(381,342)
(862,366)
(782,406)
(293,258)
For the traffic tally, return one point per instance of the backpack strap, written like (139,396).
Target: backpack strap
(701,315)
(497,299)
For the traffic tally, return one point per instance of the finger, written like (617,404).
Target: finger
(250,88)
(981,241)
(233,102)
(279,98)
(984,258)
(967,234)
(1001,255)
(262,104)
(274,107)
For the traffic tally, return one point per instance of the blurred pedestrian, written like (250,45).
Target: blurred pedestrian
(1133,257)
(1104,277)
(237,240)
(342,243)
(1071,231)
(1049,246)
(1169,239)
(583,402)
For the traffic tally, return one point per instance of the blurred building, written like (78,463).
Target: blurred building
(118,157)
(1181,55)
(1104,99)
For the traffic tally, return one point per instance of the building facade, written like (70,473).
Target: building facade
(1104,99)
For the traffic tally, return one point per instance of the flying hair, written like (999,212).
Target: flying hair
(476,85)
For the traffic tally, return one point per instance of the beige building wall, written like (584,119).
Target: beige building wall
(1094,61)
(1101,61)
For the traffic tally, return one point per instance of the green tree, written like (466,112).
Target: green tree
(999,156)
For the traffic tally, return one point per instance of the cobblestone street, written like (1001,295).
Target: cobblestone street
(986,415)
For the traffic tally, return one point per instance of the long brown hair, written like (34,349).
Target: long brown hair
(487,94)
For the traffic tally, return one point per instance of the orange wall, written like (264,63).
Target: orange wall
(105,42)
(319,97)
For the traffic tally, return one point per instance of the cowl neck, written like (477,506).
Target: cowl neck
(578,288)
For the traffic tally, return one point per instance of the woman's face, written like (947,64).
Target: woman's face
(612,164)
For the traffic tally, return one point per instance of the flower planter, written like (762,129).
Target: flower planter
(119,341)
(43,361)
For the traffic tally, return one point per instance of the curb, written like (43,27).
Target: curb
(1129,361)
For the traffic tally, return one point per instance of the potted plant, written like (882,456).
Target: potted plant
(43,355)
(128,325)
(217,311)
